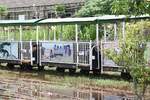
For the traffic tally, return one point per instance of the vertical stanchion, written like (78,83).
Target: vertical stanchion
(37,40)
(31,52)
(54,29)
(40,56)
(48,32)
(97,42)
(0,33)
(105,33)
(37,34)
(123,30)
(102,61)
(101,46)
(76,28)
(115,31)
(60,37)
(20,29)
(90,57)
(8,34)
(44,34)
(5,33)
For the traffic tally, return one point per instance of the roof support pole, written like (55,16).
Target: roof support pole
(123,30)
(60,36)
(8,34)
(44,33)
(37,34)
(105,32)
(115,31)
(37,40)
(90,54)
(97,43)
(54,28)
(31,52)
(2,34)
(48,32)
(20,31)
(76,30)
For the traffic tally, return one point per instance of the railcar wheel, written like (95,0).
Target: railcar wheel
(125,75)
(10,66)
(72,71)
(40,68)
(29,67)
(84,71)
(96,72)
(58,69)
(22,66)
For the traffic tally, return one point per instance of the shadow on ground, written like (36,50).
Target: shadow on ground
(53,72)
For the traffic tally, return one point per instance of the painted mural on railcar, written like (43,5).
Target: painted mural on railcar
(57,52)
(9,50)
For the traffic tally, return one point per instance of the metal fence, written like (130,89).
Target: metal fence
(84,53)
(107,46)
(26,51)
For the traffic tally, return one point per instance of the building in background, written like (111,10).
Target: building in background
(30,9)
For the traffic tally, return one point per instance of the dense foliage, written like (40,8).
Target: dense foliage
(95,7)
(3,10)
(130,7)
(59,10)
(117,7)
(133,55)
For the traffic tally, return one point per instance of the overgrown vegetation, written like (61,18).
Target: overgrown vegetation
(3,10)
(117,7)
(77,80)
(132,55)
(59,10)
(132,50)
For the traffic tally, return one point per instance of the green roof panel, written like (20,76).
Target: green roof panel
(18,22)
(100,19)
(68,20)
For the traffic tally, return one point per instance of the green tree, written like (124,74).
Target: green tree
(130,7)
(132,55)
(95,7)
(117,7)
(59,10)
(111,7)
(3,10)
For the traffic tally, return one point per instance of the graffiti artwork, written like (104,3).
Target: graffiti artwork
(9,50)
(57,52)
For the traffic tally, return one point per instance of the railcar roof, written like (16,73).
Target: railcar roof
(100,19)
(67,20)
(18,22)
(105,18)
(120,17)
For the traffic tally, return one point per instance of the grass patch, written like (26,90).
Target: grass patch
(76,80)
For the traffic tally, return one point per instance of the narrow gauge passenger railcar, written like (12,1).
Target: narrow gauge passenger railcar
(23,43)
